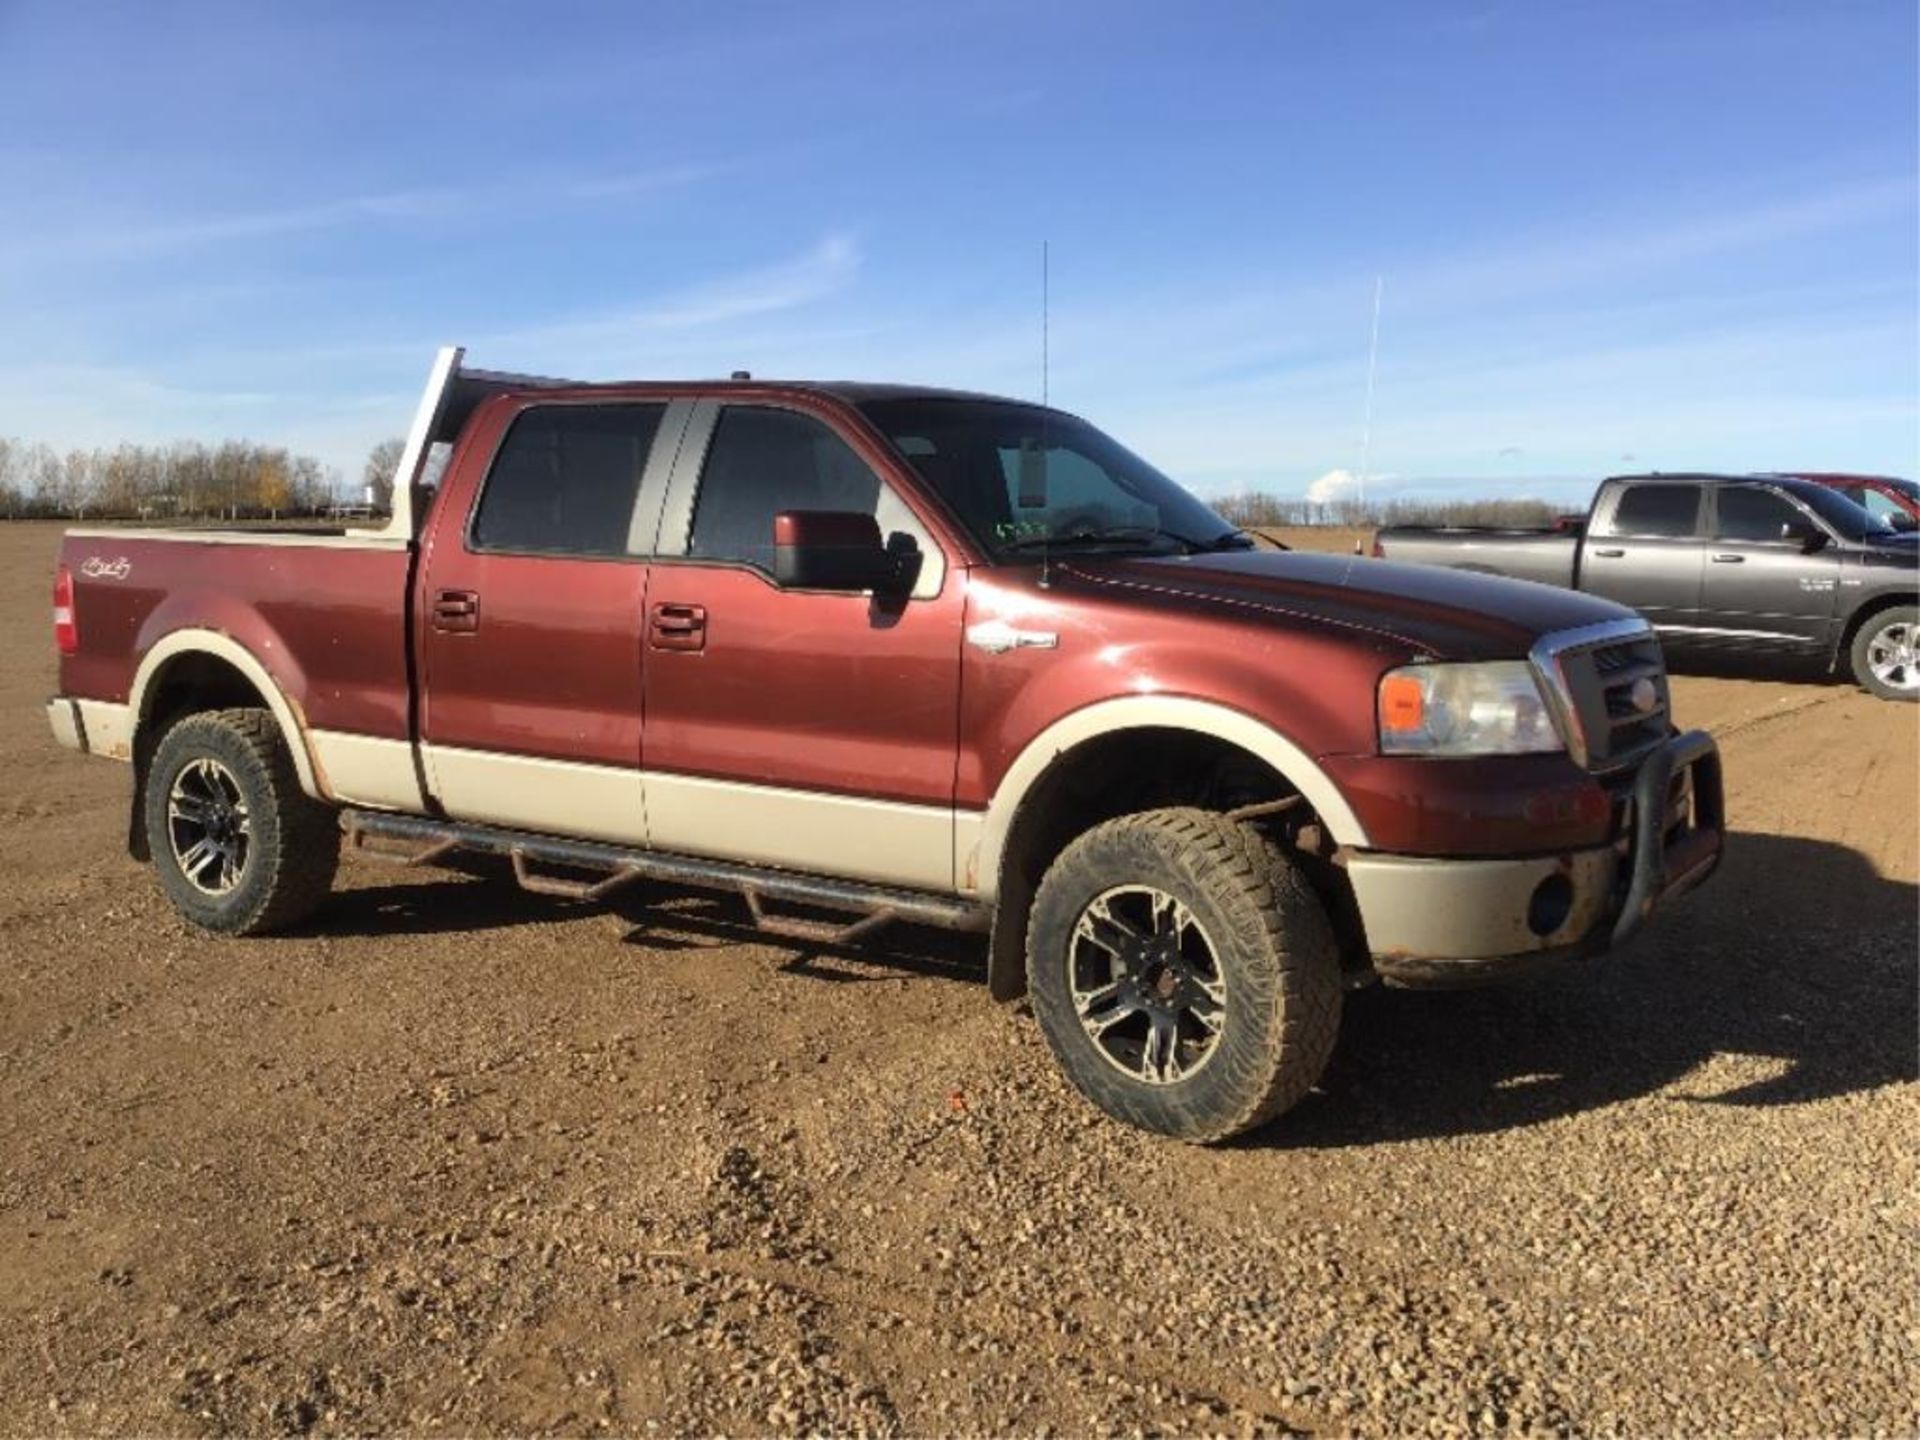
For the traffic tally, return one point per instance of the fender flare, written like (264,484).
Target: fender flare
(1160,712)
(190,641)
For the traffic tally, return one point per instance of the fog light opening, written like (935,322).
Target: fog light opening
(1552,902)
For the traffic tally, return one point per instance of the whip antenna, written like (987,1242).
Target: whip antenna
(1043,322)
(1366,422)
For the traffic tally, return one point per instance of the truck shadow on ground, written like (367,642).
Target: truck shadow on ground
(1811,672)
(1797,953)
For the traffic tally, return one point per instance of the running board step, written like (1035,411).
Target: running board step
(415,840)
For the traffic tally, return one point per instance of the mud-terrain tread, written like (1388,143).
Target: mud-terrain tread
(1283,931)
(301,852)
(1862,673)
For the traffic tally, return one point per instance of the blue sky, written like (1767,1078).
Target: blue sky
(1612,235)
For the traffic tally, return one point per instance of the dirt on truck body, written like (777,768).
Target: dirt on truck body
(902,654)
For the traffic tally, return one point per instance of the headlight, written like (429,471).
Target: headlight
(1492,708)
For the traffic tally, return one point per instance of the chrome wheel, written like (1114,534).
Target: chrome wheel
(208,826)
(1147,985)
(1892,658)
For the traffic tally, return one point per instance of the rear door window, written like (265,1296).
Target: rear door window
(1658,511)
(565,481)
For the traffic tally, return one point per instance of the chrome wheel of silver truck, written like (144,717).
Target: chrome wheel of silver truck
(1886,654)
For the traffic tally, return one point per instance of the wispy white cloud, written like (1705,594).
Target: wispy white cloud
(635,331)
(109,236)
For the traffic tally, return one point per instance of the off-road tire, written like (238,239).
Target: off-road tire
(1274,947)
(1906,615)
(293,846)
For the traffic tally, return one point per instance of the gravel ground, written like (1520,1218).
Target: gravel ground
(461,1159)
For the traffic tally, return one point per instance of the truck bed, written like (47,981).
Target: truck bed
(323,613)
(1547,556)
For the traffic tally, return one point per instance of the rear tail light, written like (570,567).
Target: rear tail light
(1375,551)
(66,631)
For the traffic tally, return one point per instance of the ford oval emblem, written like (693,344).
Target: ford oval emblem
(1645,695)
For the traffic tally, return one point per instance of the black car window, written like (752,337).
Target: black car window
(1658,510)
(564,480)
(1749,513)
(762,461)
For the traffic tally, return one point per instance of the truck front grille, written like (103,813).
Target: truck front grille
(1609,684)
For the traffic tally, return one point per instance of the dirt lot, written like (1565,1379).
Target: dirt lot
(460,1159)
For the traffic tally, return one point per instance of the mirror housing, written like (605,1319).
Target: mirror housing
(832,550)
(1804,533)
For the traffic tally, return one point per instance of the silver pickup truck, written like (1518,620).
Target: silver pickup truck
(1761,564)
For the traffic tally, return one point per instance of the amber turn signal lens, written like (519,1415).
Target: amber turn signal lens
(1403,704)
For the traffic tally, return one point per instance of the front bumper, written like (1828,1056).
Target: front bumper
(1440,922)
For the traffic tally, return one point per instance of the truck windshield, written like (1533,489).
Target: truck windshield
(1025,480)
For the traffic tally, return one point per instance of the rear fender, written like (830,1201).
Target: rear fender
(276,693)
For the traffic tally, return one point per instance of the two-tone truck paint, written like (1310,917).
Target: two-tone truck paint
(906,655)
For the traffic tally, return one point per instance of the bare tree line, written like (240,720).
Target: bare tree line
(233,479)
(241,479)
(1255,511)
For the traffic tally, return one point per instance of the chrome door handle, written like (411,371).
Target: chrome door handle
(1729,559)
(1608,554)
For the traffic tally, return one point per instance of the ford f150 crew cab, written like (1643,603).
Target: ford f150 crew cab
(886,653)
(1770,565)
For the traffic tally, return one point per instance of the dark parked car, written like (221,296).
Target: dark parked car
(1764,564)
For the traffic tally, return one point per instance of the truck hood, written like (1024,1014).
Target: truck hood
(1446,614)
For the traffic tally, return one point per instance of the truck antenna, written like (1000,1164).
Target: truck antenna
(1044,367)
(1366,421)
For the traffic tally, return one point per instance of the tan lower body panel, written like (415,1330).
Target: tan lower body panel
(555,797)
(841,835)
(1473,909)
(363,770)
(108,728)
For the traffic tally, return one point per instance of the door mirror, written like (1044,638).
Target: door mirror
(832,550)
(1804,533)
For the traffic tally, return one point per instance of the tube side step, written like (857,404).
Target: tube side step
(417,840)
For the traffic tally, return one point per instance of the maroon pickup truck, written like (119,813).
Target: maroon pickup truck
(883,653)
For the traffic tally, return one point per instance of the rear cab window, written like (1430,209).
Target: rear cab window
(565,481)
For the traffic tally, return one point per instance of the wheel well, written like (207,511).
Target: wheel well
(1843,652)
(186,685)
(1128,771)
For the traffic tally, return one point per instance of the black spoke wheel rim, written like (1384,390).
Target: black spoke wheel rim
(208,826)
(1146,984)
